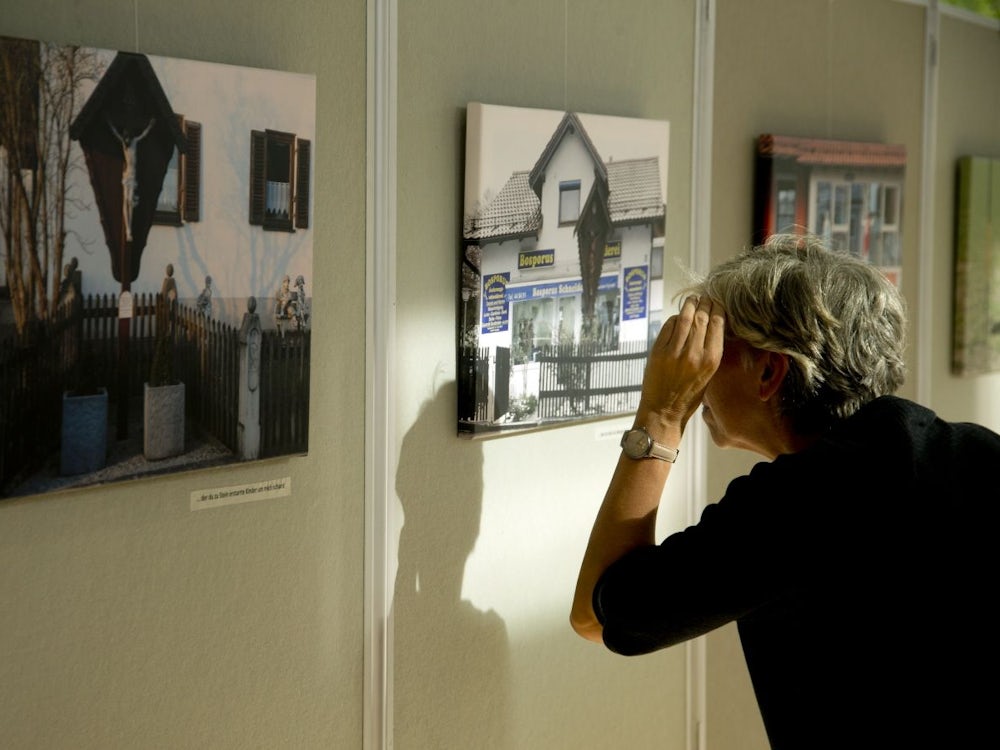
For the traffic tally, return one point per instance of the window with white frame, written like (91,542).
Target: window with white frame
(861,215)
(569,201)
(787,199)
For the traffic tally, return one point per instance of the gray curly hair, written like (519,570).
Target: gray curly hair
(841,323)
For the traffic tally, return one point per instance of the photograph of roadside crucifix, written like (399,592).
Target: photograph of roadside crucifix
(561,266)
(153,212)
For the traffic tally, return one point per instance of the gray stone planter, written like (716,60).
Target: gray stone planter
(163,421)
(83,445)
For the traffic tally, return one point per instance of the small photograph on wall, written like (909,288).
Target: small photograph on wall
(155,290)
(848,192)
(561,266)
(977,266)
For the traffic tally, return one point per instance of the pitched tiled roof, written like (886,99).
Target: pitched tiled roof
(635,193)
(633,184)
(635,196)
(515,211)
(822,152)
(570,123)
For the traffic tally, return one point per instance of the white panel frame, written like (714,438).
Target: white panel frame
(380,348)
(925,295)
(696,654)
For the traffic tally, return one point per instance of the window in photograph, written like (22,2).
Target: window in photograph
(279,180)
(180,195)
(786,218)
(859,215)
(569,201)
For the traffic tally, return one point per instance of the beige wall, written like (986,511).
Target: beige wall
(130,622)
(493,531)
(968,124)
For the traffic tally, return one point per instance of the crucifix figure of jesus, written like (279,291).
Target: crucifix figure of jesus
(130,182)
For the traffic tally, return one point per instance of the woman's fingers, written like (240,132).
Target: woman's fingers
(715,333)
(698,328)
(681,331)
(666,333)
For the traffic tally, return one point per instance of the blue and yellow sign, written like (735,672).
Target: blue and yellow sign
(571,288)
(495,317)
(635,286)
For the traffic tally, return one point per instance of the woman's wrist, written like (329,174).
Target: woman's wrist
(662,428)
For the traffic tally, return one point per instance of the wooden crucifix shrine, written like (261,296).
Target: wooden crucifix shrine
(128,133)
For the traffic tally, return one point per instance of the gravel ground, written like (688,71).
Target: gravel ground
(125,461)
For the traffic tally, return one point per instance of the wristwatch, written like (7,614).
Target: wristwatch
(638,444)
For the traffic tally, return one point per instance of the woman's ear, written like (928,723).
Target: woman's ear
(772,374)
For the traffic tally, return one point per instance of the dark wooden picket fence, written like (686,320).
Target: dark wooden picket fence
(284,392)
(474,383)
(575,380)
(34,371)
(80,347)
(583,379)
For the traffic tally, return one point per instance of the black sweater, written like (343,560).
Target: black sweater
(860,572)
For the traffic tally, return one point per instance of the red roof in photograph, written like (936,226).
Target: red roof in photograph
(826,152)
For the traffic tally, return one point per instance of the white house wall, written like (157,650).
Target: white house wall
(571,161)
(242,260)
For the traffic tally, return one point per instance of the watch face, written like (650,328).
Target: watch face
(636,443)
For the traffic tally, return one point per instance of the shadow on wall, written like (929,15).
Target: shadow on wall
(451,660)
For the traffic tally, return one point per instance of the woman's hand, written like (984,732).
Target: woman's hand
(683,359)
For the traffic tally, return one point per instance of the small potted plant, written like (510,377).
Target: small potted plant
(163,393)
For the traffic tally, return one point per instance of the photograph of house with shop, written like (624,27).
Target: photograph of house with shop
(156,237)
(848,192)
(561,266)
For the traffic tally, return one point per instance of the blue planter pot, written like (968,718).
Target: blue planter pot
(84,439)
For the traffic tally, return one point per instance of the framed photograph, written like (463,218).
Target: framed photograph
(848,192)
(561,266)
(977,266)
(156,218)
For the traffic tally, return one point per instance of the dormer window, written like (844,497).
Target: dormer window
(569,201)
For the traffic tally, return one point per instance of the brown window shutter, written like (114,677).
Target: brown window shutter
(258,173)
(192,172)
(302,174)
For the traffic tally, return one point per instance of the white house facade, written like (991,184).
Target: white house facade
(234,214)
(532,282)
(570,259)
